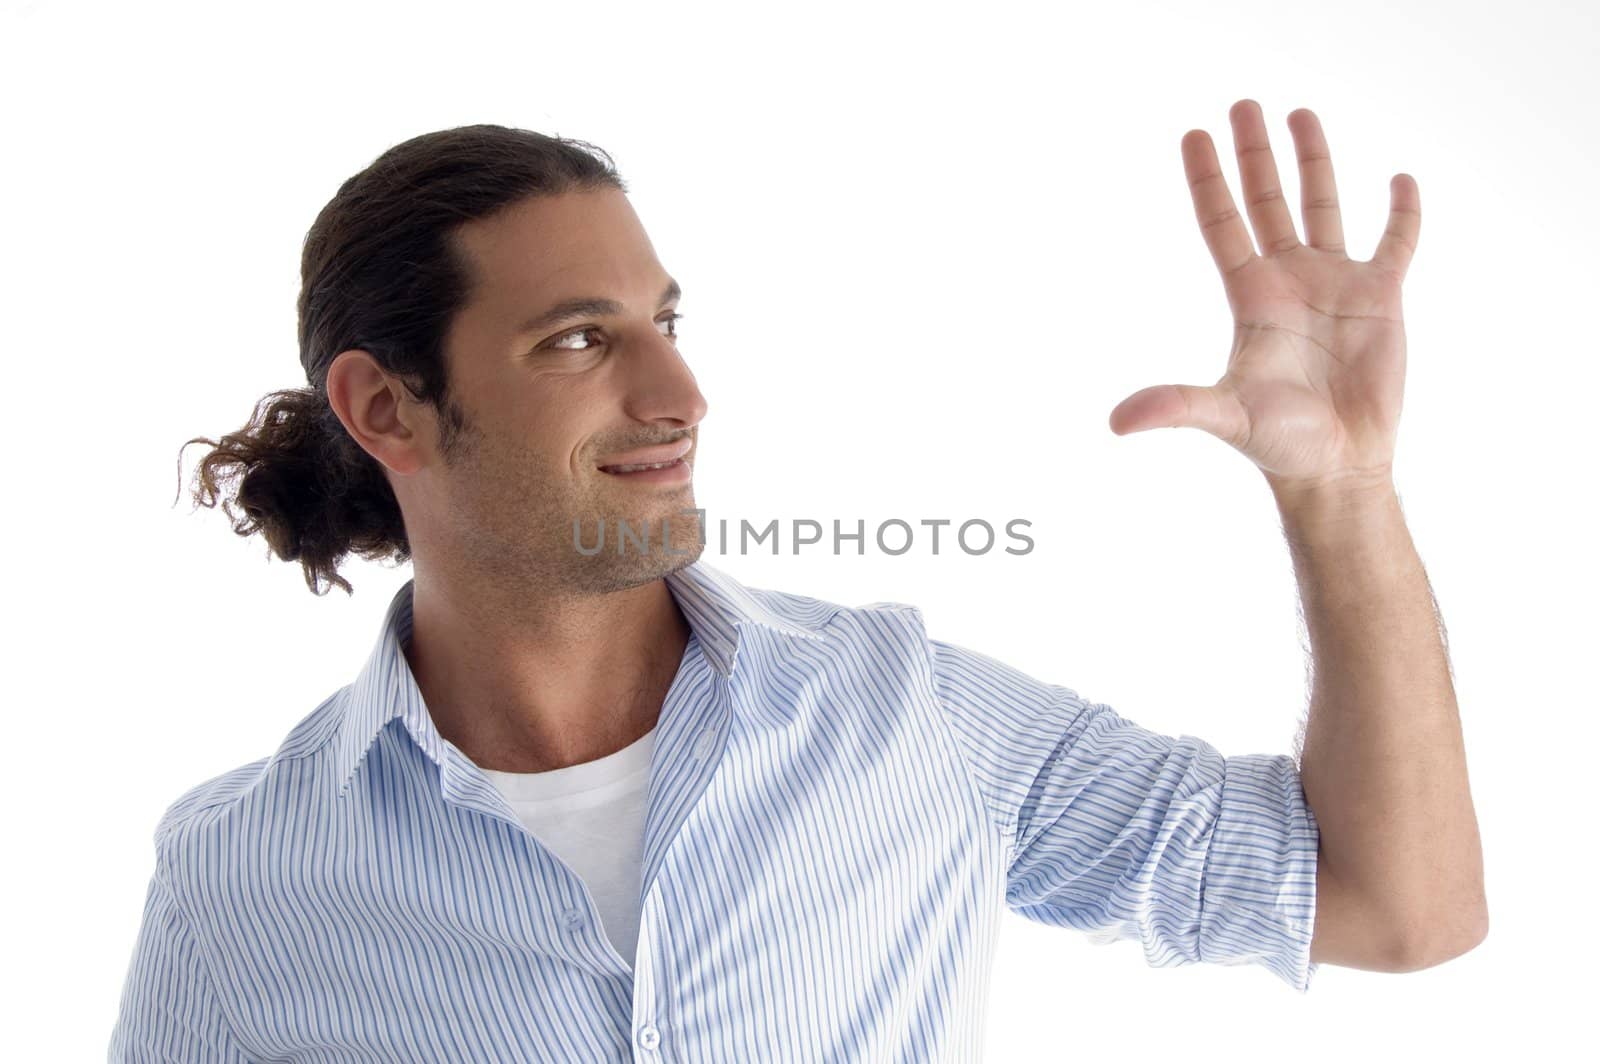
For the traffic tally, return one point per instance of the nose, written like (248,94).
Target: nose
(659,386)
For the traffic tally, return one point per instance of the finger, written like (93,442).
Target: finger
(1190,406)
(1263,198)
(1319,200)
(1399,240)
(1220,224)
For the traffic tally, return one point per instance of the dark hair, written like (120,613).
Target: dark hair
(381,271)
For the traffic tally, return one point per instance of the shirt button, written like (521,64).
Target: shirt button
(573,918)
(702,745)
(649,1037)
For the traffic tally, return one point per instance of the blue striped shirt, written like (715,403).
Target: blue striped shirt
(839,806)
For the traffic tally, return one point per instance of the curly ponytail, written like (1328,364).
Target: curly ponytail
(313,494)
(380,271)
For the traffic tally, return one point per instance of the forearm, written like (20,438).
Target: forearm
(1384,764)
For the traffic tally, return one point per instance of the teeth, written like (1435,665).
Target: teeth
(636,468)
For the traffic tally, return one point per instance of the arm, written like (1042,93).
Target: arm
(1123,832)
(1312,396)
(1384,765)
(169,1009)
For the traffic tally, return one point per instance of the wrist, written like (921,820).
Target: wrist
(1333,501)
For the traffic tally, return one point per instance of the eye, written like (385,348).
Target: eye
(670,321)
(561,341)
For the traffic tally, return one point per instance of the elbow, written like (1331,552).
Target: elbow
(1451,940)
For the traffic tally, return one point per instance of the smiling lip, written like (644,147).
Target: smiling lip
(665,453)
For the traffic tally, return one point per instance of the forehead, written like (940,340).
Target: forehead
(548,248)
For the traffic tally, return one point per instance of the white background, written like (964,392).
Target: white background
(925,250)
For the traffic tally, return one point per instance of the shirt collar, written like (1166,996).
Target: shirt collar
(715,604)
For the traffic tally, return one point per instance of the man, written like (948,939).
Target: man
(585,804)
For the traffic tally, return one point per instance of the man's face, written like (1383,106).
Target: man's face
(548,400)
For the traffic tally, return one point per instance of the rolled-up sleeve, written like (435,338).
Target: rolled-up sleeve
(1126,833)
(169,1010)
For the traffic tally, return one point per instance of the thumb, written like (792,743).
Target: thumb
(1163,406)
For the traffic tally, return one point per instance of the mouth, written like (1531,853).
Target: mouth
(667,463)
(640,468)
(677,471)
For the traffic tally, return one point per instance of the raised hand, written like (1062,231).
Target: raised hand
(1313,385)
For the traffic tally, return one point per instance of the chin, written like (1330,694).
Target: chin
(618,572)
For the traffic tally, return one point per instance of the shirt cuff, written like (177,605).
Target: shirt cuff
(1259,886)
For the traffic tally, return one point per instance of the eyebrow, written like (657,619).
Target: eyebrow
(586,305)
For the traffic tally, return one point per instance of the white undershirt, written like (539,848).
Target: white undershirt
(592,816)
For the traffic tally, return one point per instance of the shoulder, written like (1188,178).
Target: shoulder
(828,617)
(881,640)
(257,788)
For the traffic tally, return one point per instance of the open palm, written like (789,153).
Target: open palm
(1313,385)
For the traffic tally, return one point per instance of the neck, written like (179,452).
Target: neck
(541,684)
